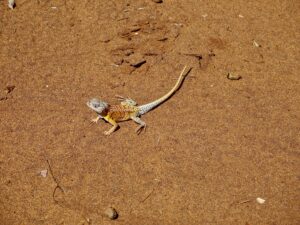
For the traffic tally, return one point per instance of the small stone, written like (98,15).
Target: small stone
(111,213)
(157,1)
(255,44)
(11,4)
(232,76)
(260,200)
(44,173)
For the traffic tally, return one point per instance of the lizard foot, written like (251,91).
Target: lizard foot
(141,123)
(140,129)
(95,120)
(107,133)
(113,129)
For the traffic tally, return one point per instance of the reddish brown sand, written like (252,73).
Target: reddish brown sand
(208,152)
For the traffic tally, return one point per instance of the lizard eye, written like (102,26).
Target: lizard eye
(96,105)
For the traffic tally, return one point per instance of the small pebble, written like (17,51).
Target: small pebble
(11,4)
(260,200)
(255,44)
(44,173)
(157,1)
(111,213)
(232,76)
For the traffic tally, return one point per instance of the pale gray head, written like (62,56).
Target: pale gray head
(97,105)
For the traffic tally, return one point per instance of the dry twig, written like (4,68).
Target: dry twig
(56,181)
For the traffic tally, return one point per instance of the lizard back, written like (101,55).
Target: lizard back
(121,112)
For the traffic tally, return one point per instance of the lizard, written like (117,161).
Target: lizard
(128,108)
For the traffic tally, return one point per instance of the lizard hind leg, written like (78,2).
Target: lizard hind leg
(140,122)
(126,100)
(111,130)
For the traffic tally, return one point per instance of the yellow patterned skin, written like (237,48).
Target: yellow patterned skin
(118,113)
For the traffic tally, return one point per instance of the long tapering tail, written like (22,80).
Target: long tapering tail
(147,107)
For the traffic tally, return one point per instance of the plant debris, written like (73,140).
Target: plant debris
(135,60)
(157,1)
(56,182)
(9,88)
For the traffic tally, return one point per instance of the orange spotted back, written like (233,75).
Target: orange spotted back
(121,112)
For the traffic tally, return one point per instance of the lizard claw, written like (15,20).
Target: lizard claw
(140,129)
(95,120)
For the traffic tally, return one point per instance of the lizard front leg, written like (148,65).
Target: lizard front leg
(113,123)
(139,121)
(96,119)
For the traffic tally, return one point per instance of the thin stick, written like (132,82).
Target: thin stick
(56,181)
(245,201)
(147,196)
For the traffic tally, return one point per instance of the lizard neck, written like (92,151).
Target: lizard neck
(105,111)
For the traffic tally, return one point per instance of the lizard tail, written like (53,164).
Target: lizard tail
(147,107)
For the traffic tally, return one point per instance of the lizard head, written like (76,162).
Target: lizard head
(97,105)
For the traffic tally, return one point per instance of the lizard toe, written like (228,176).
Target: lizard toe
(106,133)
(140,129)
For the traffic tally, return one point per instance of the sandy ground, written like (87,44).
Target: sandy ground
(207,153)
